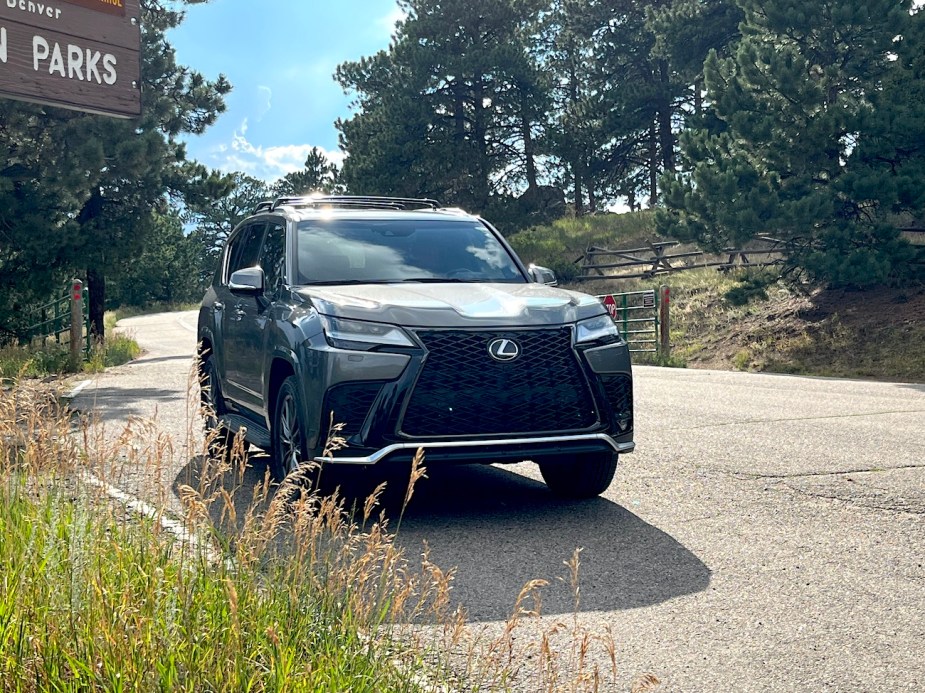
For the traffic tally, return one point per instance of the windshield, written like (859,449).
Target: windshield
(338,251)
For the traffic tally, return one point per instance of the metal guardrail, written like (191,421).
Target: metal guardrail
(60,319)
(642,317)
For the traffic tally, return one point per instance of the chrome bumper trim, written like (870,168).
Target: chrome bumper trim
(381,454)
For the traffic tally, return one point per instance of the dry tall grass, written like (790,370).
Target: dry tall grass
(257,587)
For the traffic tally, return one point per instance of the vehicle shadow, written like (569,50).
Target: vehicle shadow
(117,404)
(500,530)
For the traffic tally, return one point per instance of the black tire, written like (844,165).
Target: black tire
(213,406)
(584,476)
(288,450)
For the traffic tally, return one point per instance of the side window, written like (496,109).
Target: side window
(245,248)
(273,257)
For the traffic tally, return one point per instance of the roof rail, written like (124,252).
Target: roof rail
(355,202)
(264,206)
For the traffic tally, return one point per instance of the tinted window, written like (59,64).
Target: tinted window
(245,248)
(342,250)
(273,257)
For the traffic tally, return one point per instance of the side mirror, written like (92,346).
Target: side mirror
(543,275)
(249,280)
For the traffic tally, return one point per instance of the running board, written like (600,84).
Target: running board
(254,432)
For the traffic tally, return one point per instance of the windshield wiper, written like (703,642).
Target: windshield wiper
(446,280)
(345,282)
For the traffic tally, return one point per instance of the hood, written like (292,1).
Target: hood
(454,304)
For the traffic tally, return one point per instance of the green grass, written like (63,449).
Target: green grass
(54,359)
(28,362)
(94,602)
(118,349)
(96,598)
(41,360)
(741,320)
(559,244)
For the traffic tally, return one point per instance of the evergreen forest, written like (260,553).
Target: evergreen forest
(799,119)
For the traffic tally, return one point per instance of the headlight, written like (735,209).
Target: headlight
(596,328)
(354,334)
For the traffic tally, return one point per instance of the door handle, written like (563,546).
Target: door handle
(218,305)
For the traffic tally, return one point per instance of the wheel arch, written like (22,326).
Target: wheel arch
(204,349)
(280,369)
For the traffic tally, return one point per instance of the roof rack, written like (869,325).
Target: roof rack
(354,202)
(264,206)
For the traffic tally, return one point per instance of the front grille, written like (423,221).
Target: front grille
(619,391)
(350,403)
(462,390)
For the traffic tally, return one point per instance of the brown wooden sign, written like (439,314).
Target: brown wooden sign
(80,54)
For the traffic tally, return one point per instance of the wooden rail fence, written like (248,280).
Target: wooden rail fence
(656,259)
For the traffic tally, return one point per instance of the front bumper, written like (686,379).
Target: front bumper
(451,400)
(505,450)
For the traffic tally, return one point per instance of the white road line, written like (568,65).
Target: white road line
(136,505)
(185,325)
(77,389)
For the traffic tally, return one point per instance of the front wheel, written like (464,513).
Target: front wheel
(583,476)
(289,449)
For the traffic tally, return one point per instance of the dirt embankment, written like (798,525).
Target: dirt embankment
(864,334)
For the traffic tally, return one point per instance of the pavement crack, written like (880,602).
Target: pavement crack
(745,422)
(755,476)
(859,502)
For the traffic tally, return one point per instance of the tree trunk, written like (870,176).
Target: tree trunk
(96,280)
(479,133)
(459,113)
(527,133)
(96,287)
(666,136)
(576,162)
(698,96)
(579,194)
(653,164)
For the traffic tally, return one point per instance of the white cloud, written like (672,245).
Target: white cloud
(266,163)
(389,21)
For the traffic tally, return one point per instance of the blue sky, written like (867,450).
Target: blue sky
(280,56)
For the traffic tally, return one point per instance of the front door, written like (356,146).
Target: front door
(241,341)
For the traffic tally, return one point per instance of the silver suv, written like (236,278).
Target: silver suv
(415,326)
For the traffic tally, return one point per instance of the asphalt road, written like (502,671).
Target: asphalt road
(767,535)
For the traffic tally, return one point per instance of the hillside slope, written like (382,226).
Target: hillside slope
(853,334)
(870,334)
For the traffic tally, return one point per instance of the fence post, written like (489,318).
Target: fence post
(664,298)
(77,323)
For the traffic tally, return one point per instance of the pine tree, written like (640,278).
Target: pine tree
(450,110)
(318,175)
(145,161)
(790,147)
(215,216)
(78,191)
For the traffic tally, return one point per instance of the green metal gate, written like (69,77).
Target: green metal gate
(639,315)
(53,320)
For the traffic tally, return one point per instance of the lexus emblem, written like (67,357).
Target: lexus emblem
(503,349)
